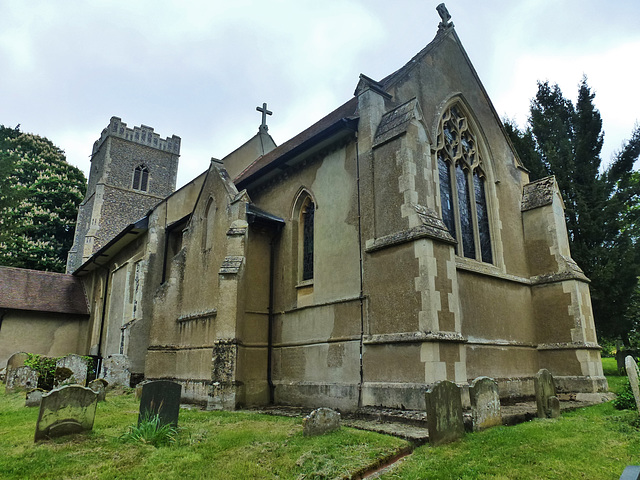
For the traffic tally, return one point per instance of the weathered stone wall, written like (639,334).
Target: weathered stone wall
(49,334)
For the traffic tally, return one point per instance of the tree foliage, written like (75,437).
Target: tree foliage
(39,197)
(601,205)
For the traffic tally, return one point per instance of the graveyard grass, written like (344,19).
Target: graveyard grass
(225,445)
(594,443)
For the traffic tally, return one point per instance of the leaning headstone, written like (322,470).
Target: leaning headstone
(66,410)
(485,403)
(444,413)
(161,398)
(99,385)
(545,388)
(34,397)
(21,378)
(632,373)
(77,365)
(320,421)
(115,370)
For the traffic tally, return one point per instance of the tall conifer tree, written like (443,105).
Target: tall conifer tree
(600,206)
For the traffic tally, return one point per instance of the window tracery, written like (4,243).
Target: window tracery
(462,180)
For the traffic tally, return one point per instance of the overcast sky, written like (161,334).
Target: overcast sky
(198,69)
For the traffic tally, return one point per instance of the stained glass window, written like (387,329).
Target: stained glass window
(483,218)
(307,249)
(446,200)
(464,207)
(462,186)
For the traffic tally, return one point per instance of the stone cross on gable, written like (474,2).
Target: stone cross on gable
(265,112)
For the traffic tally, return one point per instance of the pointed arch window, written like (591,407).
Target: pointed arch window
(462,186)
(307,217)
(141,178)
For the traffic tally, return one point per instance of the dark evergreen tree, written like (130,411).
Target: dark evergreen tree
(39,201)
(601,207)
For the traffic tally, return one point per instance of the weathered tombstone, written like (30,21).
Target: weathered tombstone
(3,374)
(77,365)
(99,385)
(115,370)
(485,403)
(66,410)
(139,389)
(16,360)
(632,373)
(545,389)
(320,421)
(554,407)
(34,397)
(21,378)
(444,413)
(161,398)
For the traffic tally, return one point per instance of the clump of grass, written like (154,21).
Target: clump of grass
(625,399)
(151,431)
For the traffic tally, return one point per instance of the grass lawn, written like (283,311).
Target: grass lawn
(224,445)
(589,443)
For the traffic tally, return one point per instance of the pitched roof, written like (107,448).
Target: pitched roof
(22,289)
(335,119)
(297,144)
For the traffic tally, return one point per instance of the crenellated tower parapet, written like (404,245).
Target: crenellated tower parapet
(143,135)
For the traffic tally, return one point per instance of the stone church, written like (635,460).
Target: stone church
(396,242)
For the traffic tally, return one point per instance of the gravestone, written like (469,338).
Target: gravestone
(485,403)
(632,373)
(139,389)
(34,397)
(444,413)
(21,378)
(545,390)
(66,410)
(115,370)
(161,398)
(632,472)
(99,385)
(320,421)
(78,367)
(16,360)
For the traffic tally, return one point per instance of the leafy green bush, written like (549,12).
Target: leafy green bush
(46,368)
(625,399)
(151,431)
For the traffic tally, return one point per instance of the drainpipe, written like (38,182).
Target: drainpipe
(272,249)
(355,131)
(102,319)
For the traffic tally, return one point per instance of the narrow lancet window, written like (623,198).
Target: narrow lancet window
(307,247)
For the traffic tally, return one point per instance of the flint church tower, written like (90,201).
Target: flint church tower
(132,169)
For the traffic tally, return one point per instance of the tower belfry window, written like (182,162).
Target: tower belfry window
(141,178)
(462,186)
